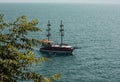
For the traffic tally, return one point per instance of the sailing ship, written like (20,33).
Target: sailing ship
(48,46)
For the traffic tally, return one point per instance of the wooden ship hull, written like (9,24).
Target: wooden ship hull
(58,50)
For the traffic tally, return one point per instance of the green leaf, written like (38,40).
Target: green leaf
(16,51)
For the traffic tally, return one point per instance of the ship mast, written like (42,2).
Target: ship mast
(48,30)
(62,32)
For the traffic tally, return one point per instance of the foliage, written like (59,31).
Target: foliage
(16,51)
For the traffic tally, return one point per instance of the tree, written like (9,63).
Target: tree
(16,51)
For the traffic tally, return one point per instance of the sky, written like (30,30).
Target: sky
(64,1)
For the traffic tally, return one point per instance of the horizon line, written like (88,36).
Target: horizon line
(66,2)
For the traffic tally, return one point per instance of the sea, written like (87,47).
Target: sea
(93,28)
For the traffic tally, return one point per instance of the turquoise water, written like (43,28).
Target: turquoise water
(94,28)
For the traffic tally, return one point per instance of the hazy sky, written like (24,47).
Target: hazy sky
(65,1)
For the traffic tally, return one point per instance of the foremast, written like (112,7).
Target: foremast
(61,32)
(48,30)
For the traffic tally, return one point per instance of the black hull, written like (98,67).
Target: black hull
(56,51)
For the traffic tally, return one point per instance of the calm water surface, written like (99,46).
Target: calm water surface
(94,28)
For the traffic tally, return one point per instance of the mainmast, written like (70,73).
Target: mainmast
(48,30)
(62,32)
